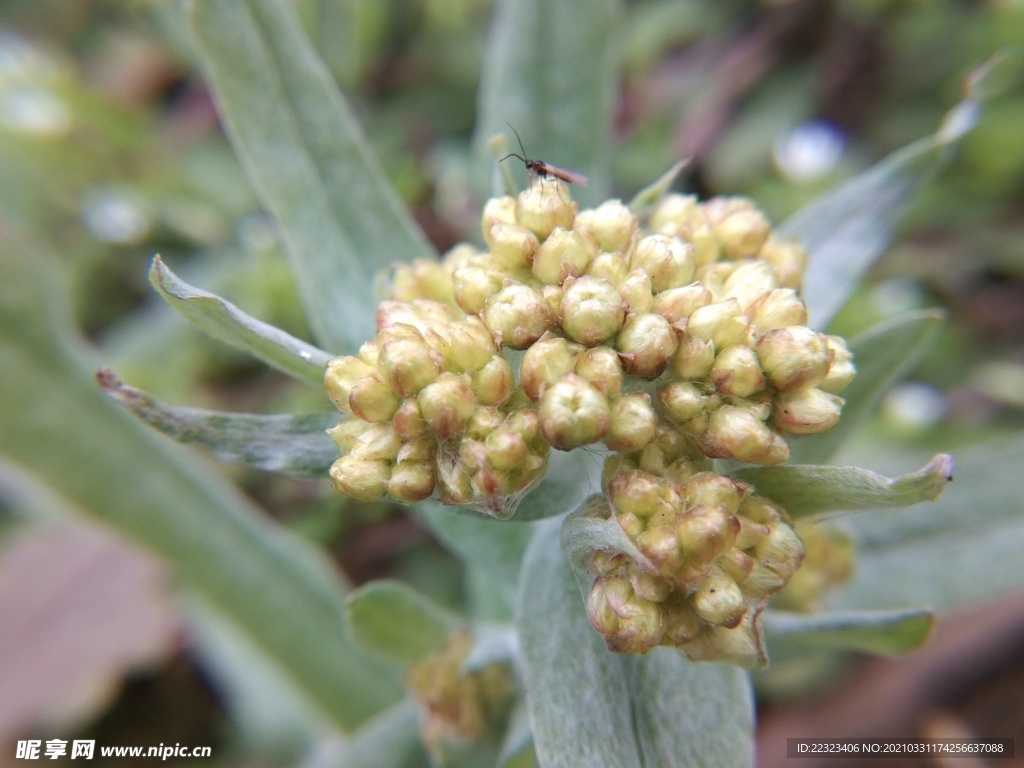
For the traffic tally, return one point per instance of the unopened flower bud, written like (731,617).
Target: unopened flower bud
(517,316)
(565,253)
(411,481)
(473,285)
(693,358)
(642,494)
(681,400)
(497,210)
(526,421)
(368,352)
(591,310)
(408,421)
(713,490)
(794,357)
(647,586)
(682,624)
(470,345)
(736,371)
(553,297)
(512,247)
(668,260)
(341,375)
(741,645)
(738,224)
(506,449)
(628,623)
(545,362)
(705,533)
(722,322)
(612,224)
(493,384)
(841,371)
(408,364)
(454,484)
(779,308)
(676,304)
(719,600)
(377,441)
(446,405)
(788,259)
(806,411)
(734,432)
(345,433)
(483,421)
(573,413)
(633,422)
(646,345)
(637,292)
(545,205)
(601,367)
(612,266)
(748,282)
(777,557)
(360,480)
(373,400)
(660,545)
(421,279)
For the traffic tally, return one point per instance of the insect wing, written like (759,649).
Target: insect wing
(569,177)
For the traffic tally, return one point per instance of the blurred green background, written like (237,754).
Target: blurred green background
(111,151)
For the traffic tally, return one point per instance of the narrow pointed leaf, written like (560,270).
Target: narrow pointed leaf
(292,444)
(277,589)
(224,321)
(889,633)
(807,489)
(533,81)
(883,355)
(338,217)
(645,199)
(395,622)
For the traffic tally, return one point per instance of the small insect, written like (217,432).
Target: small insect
(545,170)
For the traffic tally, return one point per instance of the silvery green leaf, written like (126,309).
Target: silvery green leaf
(890,633)
(395,622)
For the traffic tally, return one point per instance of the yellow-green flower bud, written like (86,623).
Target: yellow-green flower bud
(377,441)
(736,371)
(646,345)
(741,228)
(517,316)
(506,449)
(421,279)
(591,311)
(633,422)
(512,247)
(628,623)
(493,384)
(741,645)
(545,205)
(423,448)
(682,624)
(734,432)
(471,345)
(602,368)
(346,433)
(565,253)
(373,400)
(722,322)
(748,282)
(454,484)
(788,259)
(841,371)
(642,494)
(411,481)
(341,375)
(693,358)
(612,224)
(779,308)
(659,544)
(497,210)
(553,297)
(446,405)
(573,413)
(793,358)
(360,480)
(545,362)
(473,285)
(637,292)
(526,421)
(647,586)
(668,260)
(368,352)
(777,557)
(719,601)
(483,421)
(612,266)
(681,400)
(677,304)
(738,564)
(408,421)
(806,411)
(408,364)
(706,532)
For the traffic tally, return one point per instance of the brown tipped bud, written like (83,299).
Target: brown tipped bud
(545,363)
(408,421)
(360,480)
(738,564)
(408,364)
(612,224)
(682,624)
(493,384)
(742,645)
(660,545)
(420,314)
(602,368)
(647,586)
(591,310)
(419,449)
(454,484)
(806,411)
(346,433)
(737,372)
(565,253)
(738,224)
(517,316)
(512,247)
(497,210)
(373,400)
(734,432)
(642,494)
(841,371)
(748,282)
(473,285)
(705,532)
(483,421)
(628,623)
(421,279)
(378,441)
(573,413)
(368,352)
(779,308)
(681,400)
(613,267)
(506,449)
(637,292)
(712,490)
(683,217)
(545,205)
(777,557)
(722,322)
(668,260)
(719,600)
(446,405)
(411,481)
(646,345)
(633,422)
(679,303)
(793,358)
(526,422)
(693,358)
(470,345)
(553,297)
(788,259)
(341,375)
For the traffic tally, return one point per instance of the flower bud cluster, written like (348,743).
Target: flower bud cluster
(713,553)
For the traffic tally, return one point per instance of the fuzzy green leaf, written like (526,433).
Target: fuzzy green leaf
(395,622)
(223,320)
(591,528)
(808,489)
(883,355)
(564,487)
(390,740)
(339,219)
(533,81)
(292,444)
(277,589)
(889,633)
(589,706)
